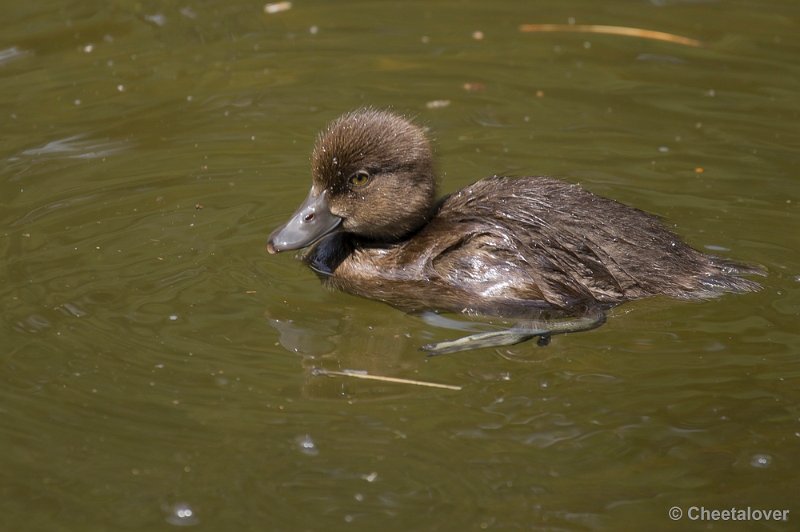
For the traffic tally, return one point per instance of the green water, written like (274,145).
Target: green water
(157,366)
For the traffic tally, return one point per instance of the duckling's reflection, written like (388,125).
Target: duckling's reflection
(297,338)
(342,337)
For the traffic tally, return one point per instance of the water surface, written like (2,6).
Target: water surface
(157,366)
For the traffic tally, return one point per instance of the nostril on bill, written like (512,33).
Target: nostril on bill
(308,217)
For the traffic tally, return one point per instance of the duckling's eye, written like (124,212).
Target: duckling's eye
(360,178)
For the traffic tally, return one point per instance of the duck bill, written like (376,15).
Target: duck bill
(310,222)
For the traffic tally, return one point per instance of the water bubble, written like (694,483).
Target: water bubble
(761,460)
(181,514)
(307,445)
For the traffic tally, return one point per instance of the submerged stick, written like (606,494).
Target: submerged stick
(364,375)
(612,30)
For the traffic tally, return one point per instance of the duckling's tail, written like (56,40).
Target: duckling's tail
(726,275)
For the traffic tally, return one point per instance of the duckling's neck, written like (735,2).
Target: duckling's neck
(411,231)
(327,254)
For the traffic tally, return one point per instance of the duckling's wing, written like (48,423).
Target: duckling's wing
(517,227)
(489,261)
(570,273)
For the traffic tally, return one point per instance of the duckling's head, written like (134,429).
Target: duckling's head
(372,176)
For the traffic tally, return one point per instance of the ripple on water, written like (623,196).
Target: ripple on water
(75,147)
(10,54)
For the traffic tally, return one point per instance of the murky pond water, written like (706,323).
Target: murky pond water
(158,368)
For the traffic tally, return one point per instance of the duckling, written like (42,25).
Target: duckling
(546,253)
